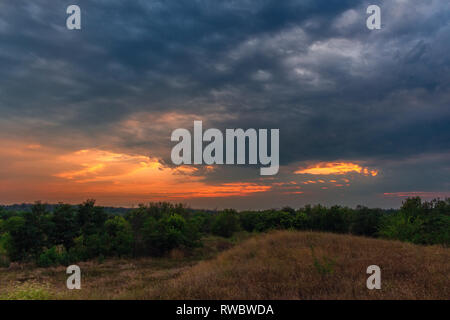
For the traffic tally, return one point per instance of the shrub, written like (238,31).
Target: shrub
(420,223)
(170,232)
(90,219)
(96,244)
(278,220)
(435,229)
(250,220)
(300,221)
(64,227)
(88,247)
(79,250)
(53,256)
(226,223)
(365,221)
(137,218)
(15,241)
(119,237)
(48,258)
(202,222)
(334,219)
(401,226)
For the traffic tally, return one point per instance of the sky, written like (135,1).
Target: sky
(363,114)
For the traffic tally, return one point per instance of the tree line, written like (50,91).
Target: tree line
(68,233)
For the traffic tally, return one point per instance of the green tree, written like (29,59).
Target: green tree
(201,221)
(65,228)
(365,221)
(226,223)
(137,218)
(167,233)
(119,237)
(90,218)
(401,226)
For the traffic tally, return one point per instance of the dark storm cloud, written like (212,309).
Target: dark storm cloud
(149,54)
(311,68)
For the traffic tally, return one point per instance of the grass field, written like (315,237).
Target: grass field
(278,265)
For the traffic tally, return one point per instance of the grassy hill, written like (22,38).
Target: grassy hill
(308,265)
(277,265)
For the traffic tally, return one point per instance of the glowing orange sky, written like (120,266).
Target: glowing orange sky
(32,171)
(339,168)
(37,171)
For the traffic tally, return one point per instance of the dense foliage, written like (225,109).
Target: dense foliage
(73,233)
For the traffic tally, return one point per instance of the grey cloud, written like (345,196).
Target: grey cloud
(311,68)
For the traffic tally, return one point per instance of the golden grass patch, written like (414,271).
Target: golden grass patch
(310,265)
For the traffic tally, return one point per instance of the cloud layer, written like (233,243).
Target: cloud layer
(137,70)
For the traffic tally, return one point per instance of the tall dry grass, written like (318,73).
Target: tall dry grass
(113,278)
(307,265)
(279,265)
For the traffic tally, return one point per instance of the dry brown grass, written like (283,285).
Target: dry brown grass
(279,265)
(111,279)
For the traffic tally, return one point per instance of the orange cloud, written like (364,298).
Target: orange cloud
(113,178)
(422,194)
(105,171)
(294,192)
(335,168)
(99,165)
(225,190)
(34,146)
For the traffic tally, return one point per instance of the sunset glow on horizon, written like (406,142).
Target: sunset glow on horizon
(102,174)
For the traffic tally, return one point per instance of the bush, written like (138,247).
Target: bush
(277,220)
(435,229)
(401,226)
(202,222)
(88,247)
(52,257)
(64,228)
(226,223)
(300,221)
(119,237)
(334,219)
(420,223)
(15,240)
(168,233)
(250,220)
(96,244)
(137,218)
(365,221)
(90,219)
(79,250)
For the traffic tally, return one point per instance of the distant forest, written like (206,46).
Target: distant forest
(63,234)
(28,207)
